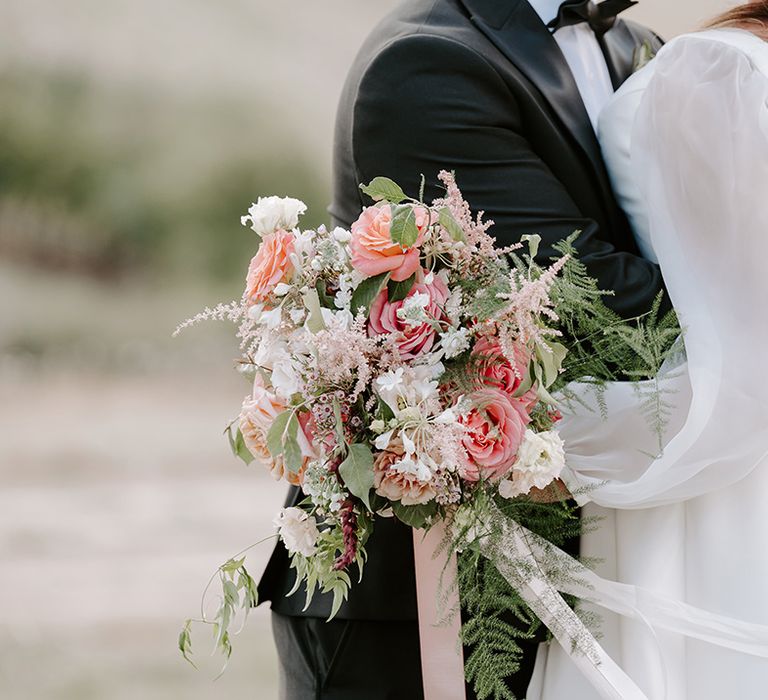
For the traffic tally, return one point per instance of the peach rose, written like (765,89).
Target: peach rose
(270,266)
(373,251)
(395,485)
(412,339)
(257,414)
(495,430)
(498,372)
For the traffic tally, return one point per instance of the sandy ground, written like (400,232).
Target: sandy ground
(118,500)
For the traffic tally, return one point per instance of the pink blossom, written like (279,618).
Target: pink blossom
(396,485)
(497,371)
(270,266)
(373,251)
(495,430)
(411,339)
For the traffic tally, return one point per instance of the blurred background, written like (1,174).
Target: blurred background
(132,137)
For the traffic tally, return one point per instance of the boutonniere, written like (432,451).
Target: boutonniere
(644,54)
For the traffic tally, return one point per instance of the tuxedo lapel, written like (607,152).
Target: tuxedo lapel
(518,32)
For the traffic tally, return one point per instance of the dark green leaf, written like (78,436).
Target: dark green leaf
(399,290)
(403,229)
(382,188)
(239,448)
(366,292)
(449,223)
(357,472)
(415,516)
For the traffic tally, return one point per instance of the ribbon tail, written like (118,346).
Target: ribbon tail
(515,560)
(442,656)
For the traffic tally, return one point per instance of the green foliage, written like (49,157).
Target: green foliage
(237,445)
(418,516)
(601,344)
(397,291)
(403,229)
(497,618)
(367,291)
(449,223)
(238,592)
(383,189)
(357,472)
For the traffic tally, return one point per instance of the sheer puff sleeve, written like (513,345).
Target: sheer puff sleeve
(699,159)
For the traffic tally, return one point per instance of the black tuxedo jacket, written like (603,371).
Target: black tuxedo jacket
(479,87)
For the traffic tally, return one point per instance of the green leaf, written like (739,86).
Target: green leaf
(382,188)
(231,595)
(322,294)
(291,451)
(551,361)
(357,472)
(449,223)
(277,430)
(414,516)
(238,447)
(185,643)
(399,290)
(366,292)
(533,241)
(232,565)
(315,321)
(403,229)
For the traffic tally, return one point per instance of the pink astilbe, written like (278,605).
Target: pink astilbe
(233,311)
(479,245)
(528,303)
(346,355)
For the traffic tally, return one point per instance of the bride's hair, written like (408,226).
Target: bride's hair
(748,13)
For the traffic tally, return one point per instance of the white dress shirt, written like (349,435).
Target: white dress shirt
(584,57)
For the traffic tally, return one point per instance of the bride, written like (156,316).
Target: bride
(685,512)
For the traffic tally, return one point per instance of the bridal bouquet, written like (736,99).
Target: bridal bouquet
(402,368)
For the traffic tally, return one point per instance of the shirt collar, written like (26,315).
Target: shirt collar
(546,9)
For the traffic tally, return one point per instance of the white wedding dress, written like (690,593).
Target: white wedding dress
(686,143)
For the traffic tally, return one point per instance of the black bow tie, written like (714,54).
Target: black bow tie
(599,17)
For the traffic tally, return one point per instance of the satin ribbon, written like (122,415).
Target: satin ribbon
(540,572)
(442,656)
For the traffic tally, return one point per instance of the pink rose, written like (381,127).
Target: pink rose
(395,485)
(270,266)
(412,339)
(495,430)
(498,372)
(373,251)
(257,414)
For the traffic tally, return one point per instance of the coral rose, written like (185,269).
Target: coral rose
(396,485)
(413,338)
(373,251)
(270,266)
(257,414)
(495,429)
(498,372)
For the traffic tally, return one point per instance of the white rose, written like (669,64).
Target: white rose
(297,530)
(539,462)
(271,214)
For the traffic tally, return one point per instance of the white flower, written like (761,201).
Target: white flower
(377,426)
(341,235)
(298,530)
(382,442)
(539,462)
(414,309)
(254,312)
(414,467)
(297,315)
(455,341)
(391,381)
(271,214)
(285,377)
(272,318)
(281,289)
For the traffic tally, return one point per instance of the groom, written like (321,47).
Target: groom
(507,94)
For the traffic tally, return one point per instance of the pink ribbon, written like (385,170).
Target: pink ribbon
(442,656)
